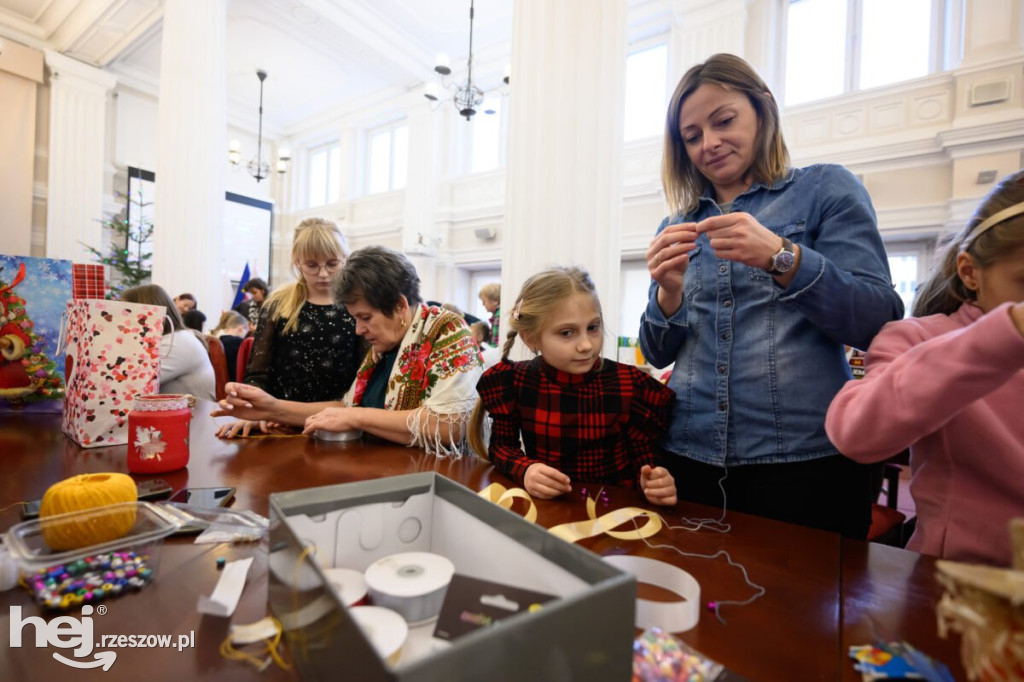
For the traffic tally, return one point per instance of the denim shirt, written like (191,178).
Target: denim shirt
(757,364)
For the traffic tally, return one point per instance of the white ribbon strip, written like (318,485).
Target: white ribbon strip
(678,616)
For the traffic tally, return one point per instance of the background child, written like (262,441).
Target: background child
(231,329)
(579,416)
(490,297)
(950,385)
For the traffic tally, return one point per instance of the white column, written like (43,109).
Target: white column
(564,194)
(701,28)
(188,236)
(419,237)
(78,115)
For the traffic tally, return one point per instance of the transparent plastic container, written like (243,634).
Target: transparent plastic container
(65,579)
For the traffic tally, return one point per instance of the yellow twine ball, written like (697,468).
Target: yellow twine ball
(87,491)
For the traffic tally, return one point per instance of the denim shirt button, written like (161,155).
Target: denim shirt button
(722,407)
(721,369)
(725,336)
(727,304)
(723,269)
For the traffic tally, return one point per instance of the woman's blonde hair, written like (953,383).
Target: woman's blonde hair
(944,292)
(154,294)
(228,319)
(315,239)
(538,298)
(682,182)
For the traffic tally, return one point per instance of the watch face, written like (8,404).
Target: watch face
(783,262)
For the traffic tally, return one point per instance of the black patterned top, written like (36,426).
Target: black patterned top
(317,361)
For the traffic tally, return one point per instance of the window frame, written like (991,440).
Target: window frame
(468,138)
(391,129)
(853,48)
(324,148)
(660,40)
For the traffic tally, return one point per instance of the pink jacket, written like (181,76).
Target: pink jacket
(952,388)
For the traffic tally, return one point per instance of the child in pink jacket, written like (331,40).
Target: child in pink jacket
(949,383)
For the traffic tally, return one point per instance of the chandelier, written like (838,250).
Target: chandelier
(257,167)
(466,97)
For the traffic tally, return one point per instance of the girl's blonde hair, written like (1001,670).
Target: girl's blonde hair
(228,319)
(538,298)
(944,292)
(682,182)
(315,239)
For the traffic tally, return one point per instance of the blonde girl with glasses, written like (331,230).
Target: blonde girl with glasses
(305,348)
(949,384)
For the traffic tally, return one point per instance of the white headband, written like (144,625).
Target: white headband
(991,222)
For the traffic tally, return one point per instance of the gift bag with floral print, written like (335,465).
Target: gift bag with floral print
(112,355)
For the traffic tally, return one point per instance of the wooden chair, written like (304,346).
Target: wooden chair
(215,349)
(243,358)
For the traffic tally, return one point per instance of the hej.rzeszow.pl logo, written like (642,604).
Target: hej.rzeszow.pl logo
(67,632)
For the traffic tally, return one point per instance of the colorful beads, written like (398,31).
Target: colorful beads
(660,657)
(90,579)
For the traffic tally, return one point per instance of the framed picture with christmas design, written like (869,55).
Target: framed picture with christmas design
(34,293)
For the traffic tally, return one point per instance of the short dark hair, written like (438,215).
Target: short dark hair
(187,297)
(255,283)
(194,319)
(380,276)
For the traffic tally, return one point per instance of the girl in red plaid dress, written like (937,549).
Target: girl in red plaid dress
(569,414)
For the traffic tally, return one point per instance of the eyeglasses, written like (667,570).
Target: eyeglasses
(313,268)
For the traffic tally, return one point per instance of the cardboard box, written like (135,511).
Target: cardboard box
(586,633)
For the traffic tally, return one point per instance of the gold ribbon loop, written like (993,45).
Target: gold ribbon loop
(504,497)
(596,525)
(577,530)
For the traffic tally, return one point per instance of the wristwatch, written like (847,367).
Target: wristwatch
(784,260)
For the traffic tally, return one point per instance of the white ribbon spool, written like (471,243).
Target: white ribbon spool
(411,583)
(385,629)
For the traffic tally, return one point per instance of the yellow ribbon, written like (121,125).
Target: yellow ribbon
(504,497)
(577,530)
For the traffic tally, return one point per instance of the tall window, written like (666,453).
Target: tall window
(837,46)
(646,76)
(325,174)
(388,158)
(488,136)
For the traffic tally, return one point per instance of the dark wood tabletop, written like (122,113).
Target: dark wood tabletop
(823,593)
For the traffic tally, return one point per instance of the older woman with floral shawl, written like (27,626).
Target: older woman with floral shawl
(417,382)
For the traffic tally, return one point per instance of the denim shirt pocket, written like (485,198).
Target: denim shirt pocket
(793,231)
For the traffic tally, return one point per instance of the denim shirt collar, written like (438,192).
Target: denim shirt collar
(709,191)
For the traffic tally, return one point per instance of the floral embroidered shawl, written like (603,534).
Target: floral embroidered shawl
(435,374)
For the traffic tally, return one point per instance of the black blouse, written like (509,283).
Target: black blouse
(317,361)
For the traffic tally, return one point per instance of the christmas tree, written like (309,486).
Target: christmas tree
(129,253)
(26,373)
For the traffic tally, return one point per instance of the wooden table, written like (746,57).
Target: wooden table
(823,592)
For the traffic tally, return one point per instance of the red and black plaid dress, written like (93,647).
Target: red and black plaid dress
(601,427)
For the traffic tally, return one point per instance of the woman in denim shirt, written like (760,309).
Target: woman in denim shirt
(761,274)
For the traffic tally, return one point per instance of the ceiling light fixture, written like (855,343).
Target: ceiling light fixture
(257,167)
(466,97)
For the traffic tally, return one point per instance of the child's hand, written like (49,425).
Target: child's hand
(546,482)
(658,485)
